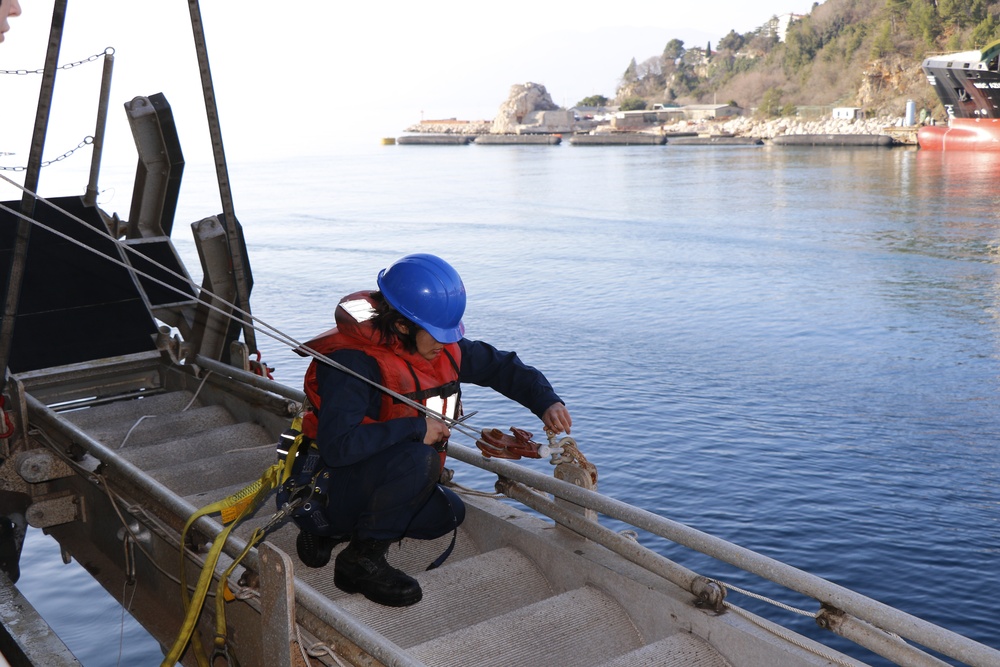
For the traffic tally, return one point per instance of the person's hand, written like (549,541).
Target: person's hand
(437,432)
(557,419)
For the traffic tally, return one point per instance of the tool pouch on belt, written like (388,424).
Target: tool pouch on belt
(309,479)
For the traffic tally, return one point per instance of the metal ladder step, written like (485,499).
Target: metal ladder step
(543,633)
(456,596)
(412,556)
(218,441)
(680,650)
(131,410)
(204,474)
(150,429)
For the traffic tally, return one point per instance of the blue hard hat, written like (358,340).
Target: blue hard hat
(427,291)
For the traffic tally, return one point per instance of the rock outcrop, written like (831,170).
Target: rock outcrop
(522,101)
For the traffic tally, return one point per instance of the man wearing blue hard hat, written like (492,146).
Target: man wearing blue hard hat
(379,459)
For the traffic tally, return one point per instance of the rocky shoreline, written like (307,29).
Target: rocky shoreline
(529,109)
(476,127)
(771,128)
(742,126)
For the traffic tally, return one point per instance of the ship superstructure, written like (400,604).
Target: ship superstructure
(968,85)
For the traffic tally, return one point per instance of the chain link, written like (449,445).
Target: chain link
(110,51)
(86,141)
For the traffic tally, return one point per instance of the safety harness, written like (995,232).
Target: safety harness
(232,511)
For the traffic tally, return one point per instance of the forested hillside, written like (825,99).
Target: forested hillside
(864,53)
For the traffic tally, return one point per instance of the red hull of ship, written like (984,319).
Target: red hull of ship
(962,134)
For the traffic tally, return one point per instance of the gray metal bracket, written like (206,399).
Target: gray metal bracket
(277,606)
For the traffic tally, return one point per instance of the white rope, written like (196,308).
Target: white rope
(757,596)
(269,445)
(121,631)
(134,426)
(197,391)
(787,635)
(320,649)
(185,409)
(778,630)
(466,491)
(317,650)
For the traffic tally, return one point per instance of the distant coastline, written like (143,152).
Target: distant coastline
(741,126)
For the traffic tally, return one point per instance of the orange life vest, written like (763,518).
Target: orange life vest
(430,383)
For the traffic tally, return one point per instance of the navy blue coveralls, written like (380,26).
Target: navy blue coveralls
(383,482)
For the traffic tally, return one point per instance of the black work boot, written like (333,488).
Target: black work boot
(362,568)
(314,550)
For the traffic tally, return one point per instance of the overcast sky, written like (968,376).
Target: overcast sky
(299,76)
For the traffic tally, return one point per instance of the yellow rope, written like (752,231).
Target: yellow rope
(232,509)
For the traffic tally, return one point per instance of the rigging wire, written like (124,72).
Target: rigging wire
(245,318)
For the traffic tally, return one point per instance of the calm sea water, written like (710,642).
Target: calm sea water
(793,349)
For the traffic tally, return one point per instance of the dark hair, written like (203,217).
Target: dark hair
(387,320)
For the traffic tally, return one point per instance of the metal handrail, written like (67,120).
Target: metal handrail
(827,593)
(881,615)
(389,654)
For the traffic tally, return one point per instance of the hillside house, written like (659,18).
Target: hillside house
(848,113)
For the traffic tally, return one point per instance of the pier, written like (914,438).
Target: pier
(833,140)
(518,139)
(715,140)
(435,140)
(618,139)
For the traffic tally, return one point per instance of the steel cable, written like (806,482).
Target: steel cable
(205,298)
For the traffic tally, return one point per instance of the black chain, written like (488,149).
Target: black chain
(86,141)
(110,51)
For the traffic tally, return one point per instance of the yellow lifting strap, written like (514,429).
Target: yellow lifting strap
(232,511)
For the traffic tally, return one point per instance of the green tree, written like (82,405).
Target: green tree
(923,21)
(898,10)
(673,50)
(593,101)
(731,42)
(953,13)
(883,44)
(801,44)
(632,104)
(770,103)
(985,32)
(631,74)
(959,14)
(854,37)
